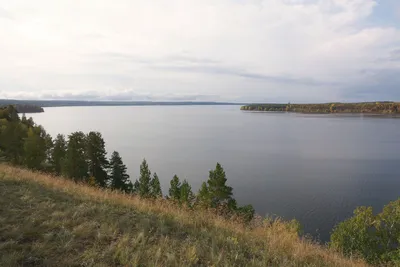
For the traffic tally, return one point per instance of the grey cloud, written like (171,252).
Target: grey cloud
(128,95)
(179,58)
(245,74)
(379,85)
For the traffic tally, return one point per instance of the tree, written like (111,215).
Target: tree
(97,158)
(186,194)
(58,153)
(34,149)
(219,192)
(175,188)
(119,178)
(136,187)
(12,135)
(75,165)
(155,187)
(203,196)
(144,180)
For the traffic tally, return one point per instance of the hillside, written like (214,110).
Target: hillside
(363,107)
(49,221)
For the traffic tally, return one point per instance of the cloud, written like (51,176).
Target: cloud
(5,14)
(243,49)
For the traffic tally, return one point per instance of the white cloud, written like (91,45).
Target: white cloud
(241,49)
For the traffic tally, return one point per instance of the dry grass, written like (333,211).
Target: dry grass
(48,221)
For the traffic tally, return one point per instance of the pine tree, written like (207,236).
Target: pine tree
(34,149)
(119,177)
(12,137)
(155,187)
(175,188)
(97,158)
(203,196)
(144,180)
(219,192)
(74,164)
(136,187)
(58,153)
(186,194)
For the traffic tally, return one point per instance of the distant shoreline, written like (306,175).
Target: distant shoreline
(79,103)
(386,108)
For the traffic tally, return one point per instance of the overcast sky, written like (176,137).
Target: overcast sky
(208,50)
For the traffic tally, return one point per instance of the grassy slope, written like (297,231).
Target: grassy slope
(49,221)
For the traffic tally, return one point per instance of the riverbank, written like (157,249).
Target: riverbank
(76,224)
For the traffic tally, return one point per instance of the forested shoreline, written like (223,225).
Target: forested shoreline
(327,108)
(82,158)
(25,108)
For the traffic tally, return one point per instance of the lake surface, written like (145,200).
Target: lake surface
(315,168)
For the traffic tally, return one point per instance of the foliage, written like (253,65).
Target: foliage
(58,153)
(219,192)
(34,149)
(375,237)
(119,178)
(203,196)
(97,158)
(155,187)
(144,180)
(186,195)
(75,165)
(175,188)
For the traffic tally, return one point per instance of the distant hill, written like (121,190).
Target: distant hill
(68,103)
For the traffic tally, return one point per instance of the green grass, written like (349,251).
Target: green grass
(48,221)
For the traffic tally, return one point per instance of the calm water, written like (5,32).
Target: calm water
(315,168)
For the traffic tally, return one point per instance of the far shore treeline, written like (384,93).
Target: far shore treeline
(82,158)
(385,107)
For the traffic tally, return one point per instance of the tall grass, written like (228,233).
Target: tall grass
(105,228)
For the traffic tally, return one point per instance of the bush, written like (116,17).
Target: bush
(374,237)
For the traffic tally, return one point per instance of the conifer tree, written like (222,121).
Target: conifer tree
(75,165)
(186,194)
(175,188)
(136,187)
(97,158)
(155,187)
(219,192)
(119,178)
(58,153)
(203,196)
(144,180)
(34,149)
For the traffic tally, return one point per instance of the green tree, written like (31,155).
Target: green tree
(34,149)
(144,180)
(12,136)
(75,165)
(119,177)
(203,196)
(97,158)
(58,153)
(175,188)
(186,194)
(136,187)
(155,187)
(219,192)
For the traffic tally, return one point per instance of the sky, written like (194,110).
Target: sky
(201,50)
